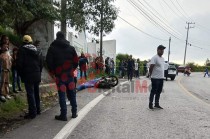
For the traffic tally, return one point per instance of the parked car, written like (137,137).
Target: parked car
(181,69)
(172,71)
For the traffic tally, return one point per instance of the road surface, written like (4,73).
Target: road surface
(124,114)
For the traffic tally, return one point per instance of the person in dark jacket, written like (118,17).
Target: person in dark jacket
(15,75)
(83,61)
(112,66)
(130,68)
(107,65)
(206,72)
(125,62)
(120,68)
(145,68)
(62,61)
(29,67)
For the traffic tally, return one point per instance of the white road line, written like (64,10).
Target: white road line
(72,124)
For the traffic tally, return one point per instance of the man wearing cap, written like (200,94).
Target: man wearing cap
(29,66)
(156,71)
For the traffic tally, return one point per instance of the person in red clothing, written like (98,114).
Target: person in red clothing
(83,62)
(6,66)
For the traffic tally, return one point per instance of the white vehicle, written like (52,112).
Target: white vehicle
(172,71)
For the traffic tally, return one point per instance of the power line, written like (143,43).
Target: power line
(182,8)
(155,15)
(172,10)
(162,8)
(152,20)
(148,18)
(199,25)
(133,14)
(186,17)
(146,15)
(178,9)
(193,44)
(199,42)
(141,30)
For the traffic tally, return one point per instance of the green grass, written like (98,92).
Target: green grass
(12,107)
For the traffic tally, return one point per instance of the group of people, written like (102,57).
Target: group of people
(26,66)
(131,67)
(8,63)
(62,62)
(109,65)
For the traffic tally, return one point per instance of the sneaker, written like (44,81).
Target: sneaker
(74,115)
(15,91)
(28,116)
(60,118)
(158,106)
(2,99)
(38,112)
(150,106)
(8,97)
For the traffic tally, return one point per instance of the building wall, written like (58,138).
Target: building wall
(78,41)
(91,48)
(44,32)
(109,49)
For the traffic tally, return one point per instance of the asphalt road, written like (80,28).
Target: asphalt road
(124,114)
(198,85)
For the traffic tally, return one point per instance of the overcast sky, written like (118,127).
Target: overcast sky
(172,16)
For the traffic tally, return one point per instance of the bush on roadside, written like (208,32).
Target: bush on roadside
(14,39)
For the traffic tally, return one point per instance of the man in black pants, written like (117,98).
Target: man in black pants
(29,67)
(130,68)
(83,62)
(156,71)
(62,61)
(166,70)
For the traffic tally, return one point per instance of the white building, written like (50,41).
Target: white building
(109,49)
(78,41)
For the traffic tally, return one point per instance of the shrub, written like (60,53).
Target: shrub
(14,39)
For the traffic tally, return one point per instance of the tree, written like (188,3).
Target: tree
(86,14)
(121,57)
(81,14)
(96,16)
(192,65)
(207,62)
(104,15)
(21,14)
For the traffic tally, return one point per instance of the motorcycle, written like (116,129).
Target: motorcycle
(187,72)
(107,82)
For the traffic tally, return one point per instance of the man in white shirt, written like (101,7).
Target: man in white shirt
(156,71)
(136,69)
(166,65)
(148,65)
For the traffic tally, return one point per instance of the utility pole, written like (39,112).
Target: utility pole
(188,28)
(101,31)
(63,20)
(169,49)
